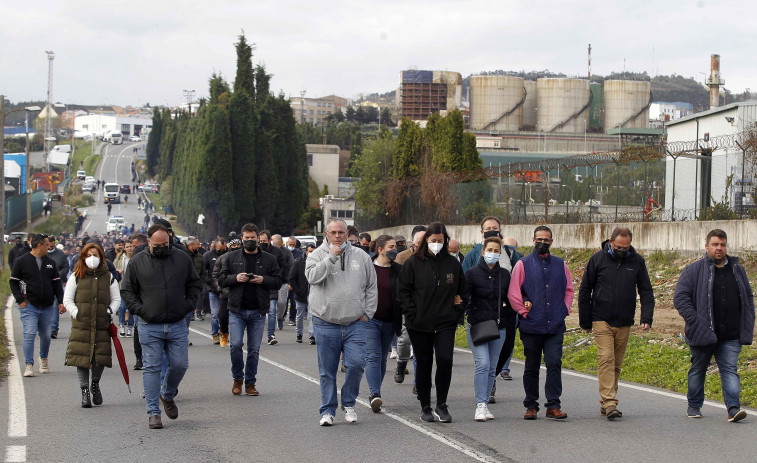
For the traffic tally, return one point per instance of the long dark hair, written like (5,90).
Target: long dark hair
(434,228)
(379,242)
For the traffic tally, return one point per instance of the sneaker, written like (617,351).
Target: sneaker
(492,399)
(138,365)
(272,340)
(393,353)
(224,339)
(216,339)
(349,414)
(505,375)
(291,323)
(740,415)
(556,414)
(399,373)
(29,372)
(312,340)
(54,334)
(489,415)
(44,367)
(236,388)
(129,332)
(480,412)
(376,403)
(122,331)
(442,414)
(693,412)
(250,389)
(299,339)
(612,412)
(427,414)
(327,419)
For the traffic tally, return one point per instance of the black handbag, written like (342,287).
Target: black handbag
(489,330)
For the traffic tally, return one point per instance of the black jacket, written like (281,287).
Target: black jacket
(209,260)
(608,290)
(281,261)
(426,291)
(43,285)
(16,252)
(483,284)
(298,282)
(265,266)
(161,290)
(61,261)
(110,254)
(394,275)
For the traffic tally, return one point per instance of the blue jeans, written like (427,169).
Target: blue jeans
(302,310)
(56,316)
(533,347)
(272,317)
(122,315)
(726,355)
(215,303)
(254,323)
(159,341)
(378,340)
(485,357)
(331,341)
(36,321)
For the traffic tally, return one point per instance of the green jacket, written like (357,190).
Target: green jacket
(89,331)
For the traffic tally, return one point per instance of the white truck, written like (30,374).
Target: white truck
(112,193)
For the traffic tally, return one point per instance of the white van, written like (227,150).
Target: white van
(112,193)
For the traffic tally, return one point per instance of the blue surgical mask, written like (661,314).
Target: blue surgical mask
(491,258)
(344,245)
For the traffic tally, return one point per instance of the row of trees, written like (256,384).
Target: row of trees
(240,159)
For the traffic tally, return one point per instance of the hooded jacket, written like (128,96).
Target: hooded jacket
(342,288)
(608,289)
(693,300)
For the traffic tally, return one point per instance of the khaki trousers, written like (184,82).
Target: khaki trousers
(611,349)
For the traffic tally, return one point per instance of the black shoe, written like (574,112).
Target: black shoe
(86,402)
(399,374)
(138,365)
(299,338)
(441,413)
(312,340)
(492,399)
(427,414)
(97,395)
(54,334)
(376,403)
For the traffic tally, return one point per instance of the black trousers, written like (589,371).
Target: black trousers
(425,345)
(137,345)
(223,315)
(509,345)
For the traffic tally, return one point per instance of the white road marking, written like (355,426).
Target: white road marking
(446,440)
(16,396)
(15,454)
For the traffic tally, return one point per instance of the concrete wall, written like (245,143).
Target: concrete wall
(680,236)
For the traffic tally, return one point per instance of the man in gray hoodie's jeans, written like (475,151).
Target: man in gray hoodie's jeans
(342,297)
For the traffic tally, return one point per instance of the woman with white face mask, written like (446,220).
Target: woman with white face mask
(431,291)
(91,295)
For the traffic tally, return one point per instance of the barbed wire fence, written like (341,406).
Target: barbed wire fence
(690,180)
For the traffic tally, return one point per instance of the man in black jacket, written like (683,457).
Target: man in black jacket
(161,287)
(267,246)
(16,251)
(36,300)
(250,274)
(61,262)
(607,305)
(209,261)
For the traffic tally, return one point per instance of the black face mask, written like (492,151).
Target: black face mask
(160,252)
(391,255)
(620,255)
(250,245)
(492,233)
(542,248)
(265,246)
(221,252)
(401,248)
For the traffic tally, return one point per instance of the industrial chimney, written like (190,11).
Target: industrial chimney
(714,81)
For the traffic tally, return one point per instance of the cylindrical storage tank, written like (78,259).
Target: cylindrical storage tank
(493,96)
(562,105)
(626,103)
(529,106)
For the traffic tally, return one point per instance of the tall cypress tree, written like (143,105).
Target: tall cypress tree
(242,124)
(245,78)
(153,143)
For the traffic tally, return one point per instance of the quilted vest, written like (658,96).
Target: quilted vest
(544,285)
(89,332)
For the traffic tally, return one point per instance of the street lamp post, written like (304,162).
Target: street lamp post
(28,173)
(566,201)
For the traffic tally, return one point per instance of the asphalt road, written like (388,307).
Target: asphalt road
(282,423)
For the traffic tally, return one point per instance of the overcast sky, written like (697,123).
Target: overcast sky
(137,52)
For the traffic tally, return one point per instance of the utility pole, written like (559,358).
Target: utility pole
(189,95)
(27,177)
(49,107)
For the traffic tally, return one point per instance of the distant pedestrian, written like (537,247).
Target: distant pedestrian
(283,296)
(209,261)
(160,287)
(36,298)
(300,291)
(147,220)
(715,299)
(91,295)
(607,306)
(17,251)
(342,298)
(61,262)
(541,291)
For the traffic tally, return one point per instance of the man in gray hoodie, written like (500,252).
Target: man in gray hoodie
(343,296)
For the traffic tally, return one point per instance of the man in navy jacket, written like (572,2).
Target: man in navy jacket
(714,298)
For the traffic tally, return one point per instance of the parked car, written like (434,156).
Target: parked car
(12,237)
(149,187)
(88,188)
(81,174)
(126,189)
(89,179)
(134,138)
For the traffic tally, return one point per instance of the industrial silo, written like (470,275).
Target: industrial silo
(562,104)
(529,106)
(627,103)
(496,102)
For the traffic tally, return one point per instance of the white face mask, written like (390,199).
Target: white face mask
(291,248)
(435,247)
(92,262)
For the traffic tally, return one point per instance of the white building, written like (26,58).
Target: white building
(323,166)
(338,208)
(100,124)
(726,162)
(664,111)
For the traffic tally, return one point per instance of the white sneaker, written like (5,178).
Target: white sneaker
(480,412)
(393,353)
(349,414)
(489,415)
(43,366)
(29,370)
(327,419)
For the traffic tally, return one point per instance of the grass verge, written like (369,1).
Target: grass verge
(90,164)
(56,224)
(5,291)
